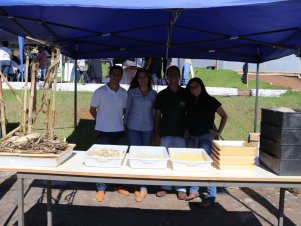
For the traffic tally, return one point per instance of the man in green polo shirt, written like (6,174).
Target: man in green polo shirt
(170,119)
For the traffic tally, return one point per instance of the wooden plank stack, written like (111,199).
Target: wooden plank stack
(233,154)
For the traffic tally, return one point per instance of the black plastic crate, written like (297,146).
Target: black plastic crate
(281,119)
(281,135)
(282,151)
(282,167)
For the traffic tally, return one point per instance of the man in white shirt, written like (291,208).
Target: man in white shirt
(5,58)
(107,108)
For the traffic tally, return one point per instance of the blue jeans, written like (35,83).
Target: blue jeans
(175,142)
(205,142)
(140,138)
(79,75)
(115,138)
(42,73)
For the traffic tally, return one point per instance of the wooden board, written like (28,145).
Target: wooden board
(234,151)
(229,145)
(233,157)
(232,162)
(224,167)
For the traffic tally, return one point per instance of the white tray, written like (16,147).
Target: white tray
(148,163)
(98,161)
(44,160)
(178,165)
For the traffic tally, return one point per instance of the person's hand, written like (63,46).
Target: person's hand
(213,132)
(186,134)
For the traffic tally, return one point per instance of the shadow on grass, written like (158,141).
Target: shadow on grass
(85,135)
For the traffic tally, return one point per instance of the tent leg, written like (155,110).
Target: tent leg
(256,98)
(75,100)
(281,206)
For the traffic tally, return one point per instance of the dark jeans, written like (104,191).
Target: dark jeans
(115,138)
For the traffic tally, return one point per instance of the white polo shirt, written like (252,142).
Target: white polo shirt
(110,105)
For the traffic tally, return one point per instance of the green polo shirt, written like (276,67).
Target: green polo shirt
(173,109)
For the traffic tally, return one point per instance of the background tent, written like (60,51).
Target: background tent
(237,30)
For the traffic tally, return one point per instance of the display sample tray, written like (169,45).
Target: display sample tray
(35,159)
(189,165)
(102,161)
(148,157)
(233,147)
(233,154)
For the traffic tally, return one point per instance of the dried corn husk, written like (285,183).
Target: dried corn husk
(25,139)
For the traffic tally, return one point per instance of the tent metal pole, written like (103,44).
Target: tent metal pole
(256,98)
(75,92)
(173,18)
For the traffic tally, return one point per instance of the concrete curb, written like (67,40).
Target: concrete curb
(215,91)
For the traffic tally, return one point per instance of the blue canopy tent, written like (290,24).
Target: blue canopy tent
(248,31)
(251,31)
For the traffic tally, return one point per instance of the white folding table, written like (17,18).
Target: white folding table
(73,169)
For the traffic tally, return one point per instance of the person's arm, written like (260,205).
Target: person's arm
(93,112)
(221,112)
(127,110)
(157,126)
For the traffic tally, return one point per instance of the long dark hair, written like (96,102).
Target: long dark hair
(204,92)
(135,84)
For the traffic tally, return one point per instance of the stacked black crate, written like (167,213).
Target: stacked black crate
(280,141)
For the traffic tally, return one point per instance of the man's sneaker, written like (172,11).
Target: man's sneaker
(182,195)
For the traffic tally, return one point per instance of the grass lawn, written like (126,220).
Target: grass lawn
(239,109)
(228,78)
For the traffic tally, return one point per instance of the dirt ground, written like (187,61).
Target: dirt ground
(74,204)
(288,81)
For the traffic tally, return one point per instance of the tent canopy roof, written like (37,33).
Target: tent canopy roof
(248,31)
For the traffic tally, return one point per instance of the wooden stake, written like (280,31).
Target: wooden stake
(11,88)
(53,96)
(47,86)
(2,111)
(24,114)
(31,100)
